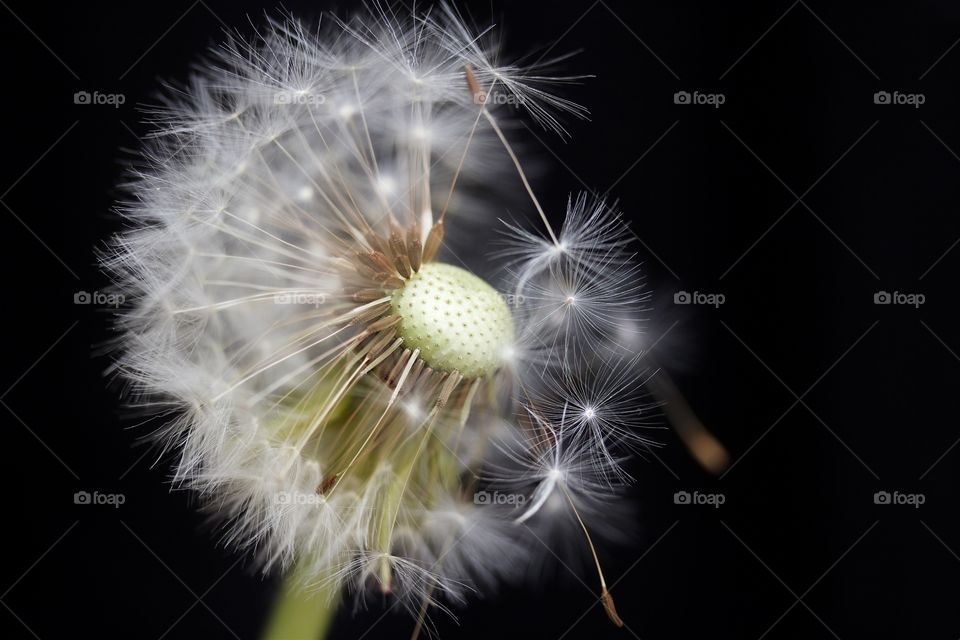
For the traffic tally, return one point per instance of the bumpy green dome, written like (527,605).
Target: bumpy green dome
(458,321)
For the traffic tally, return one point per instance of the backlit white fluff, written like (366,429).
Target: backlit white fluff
(289,190)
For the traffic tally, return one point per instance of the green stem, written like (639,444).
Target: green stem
(302,614)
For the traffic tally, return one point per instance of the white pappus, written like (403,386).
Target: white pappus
(340,386)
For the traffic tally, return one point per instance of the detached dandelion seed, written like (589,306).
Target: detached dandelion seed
(340,386)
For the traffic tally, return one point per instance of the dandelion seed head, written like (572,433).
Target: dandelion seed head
(334,384)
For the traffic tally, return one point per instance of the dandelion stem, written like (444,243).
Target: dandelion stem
(421,616)
(303,613)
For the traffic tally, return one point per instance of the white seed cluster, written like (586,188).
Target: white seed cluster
(349,409)
(458,321)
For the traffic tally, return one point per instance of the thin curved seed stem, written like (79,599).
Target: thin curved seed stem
(605,597)
(523,176)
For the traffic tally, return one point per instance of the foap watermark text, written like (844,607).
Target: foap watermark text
(698,297)
(899,298)
(698,98)
(899,498)
(98,298)
(498,497)
(709,499)
(897,98)
(97,498)
(114,100)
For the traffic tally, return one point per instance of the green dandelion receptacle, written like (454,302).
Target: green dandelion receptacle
(456,320)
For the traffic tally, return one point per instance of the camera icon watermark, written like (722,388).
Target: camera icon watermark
(114,500)
(114,100)
(899,298)
(897,498)
(697,498)
(709,299)
(897,98)
(708,99)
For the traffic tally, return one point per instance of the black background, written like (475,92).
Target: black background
(798,549)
